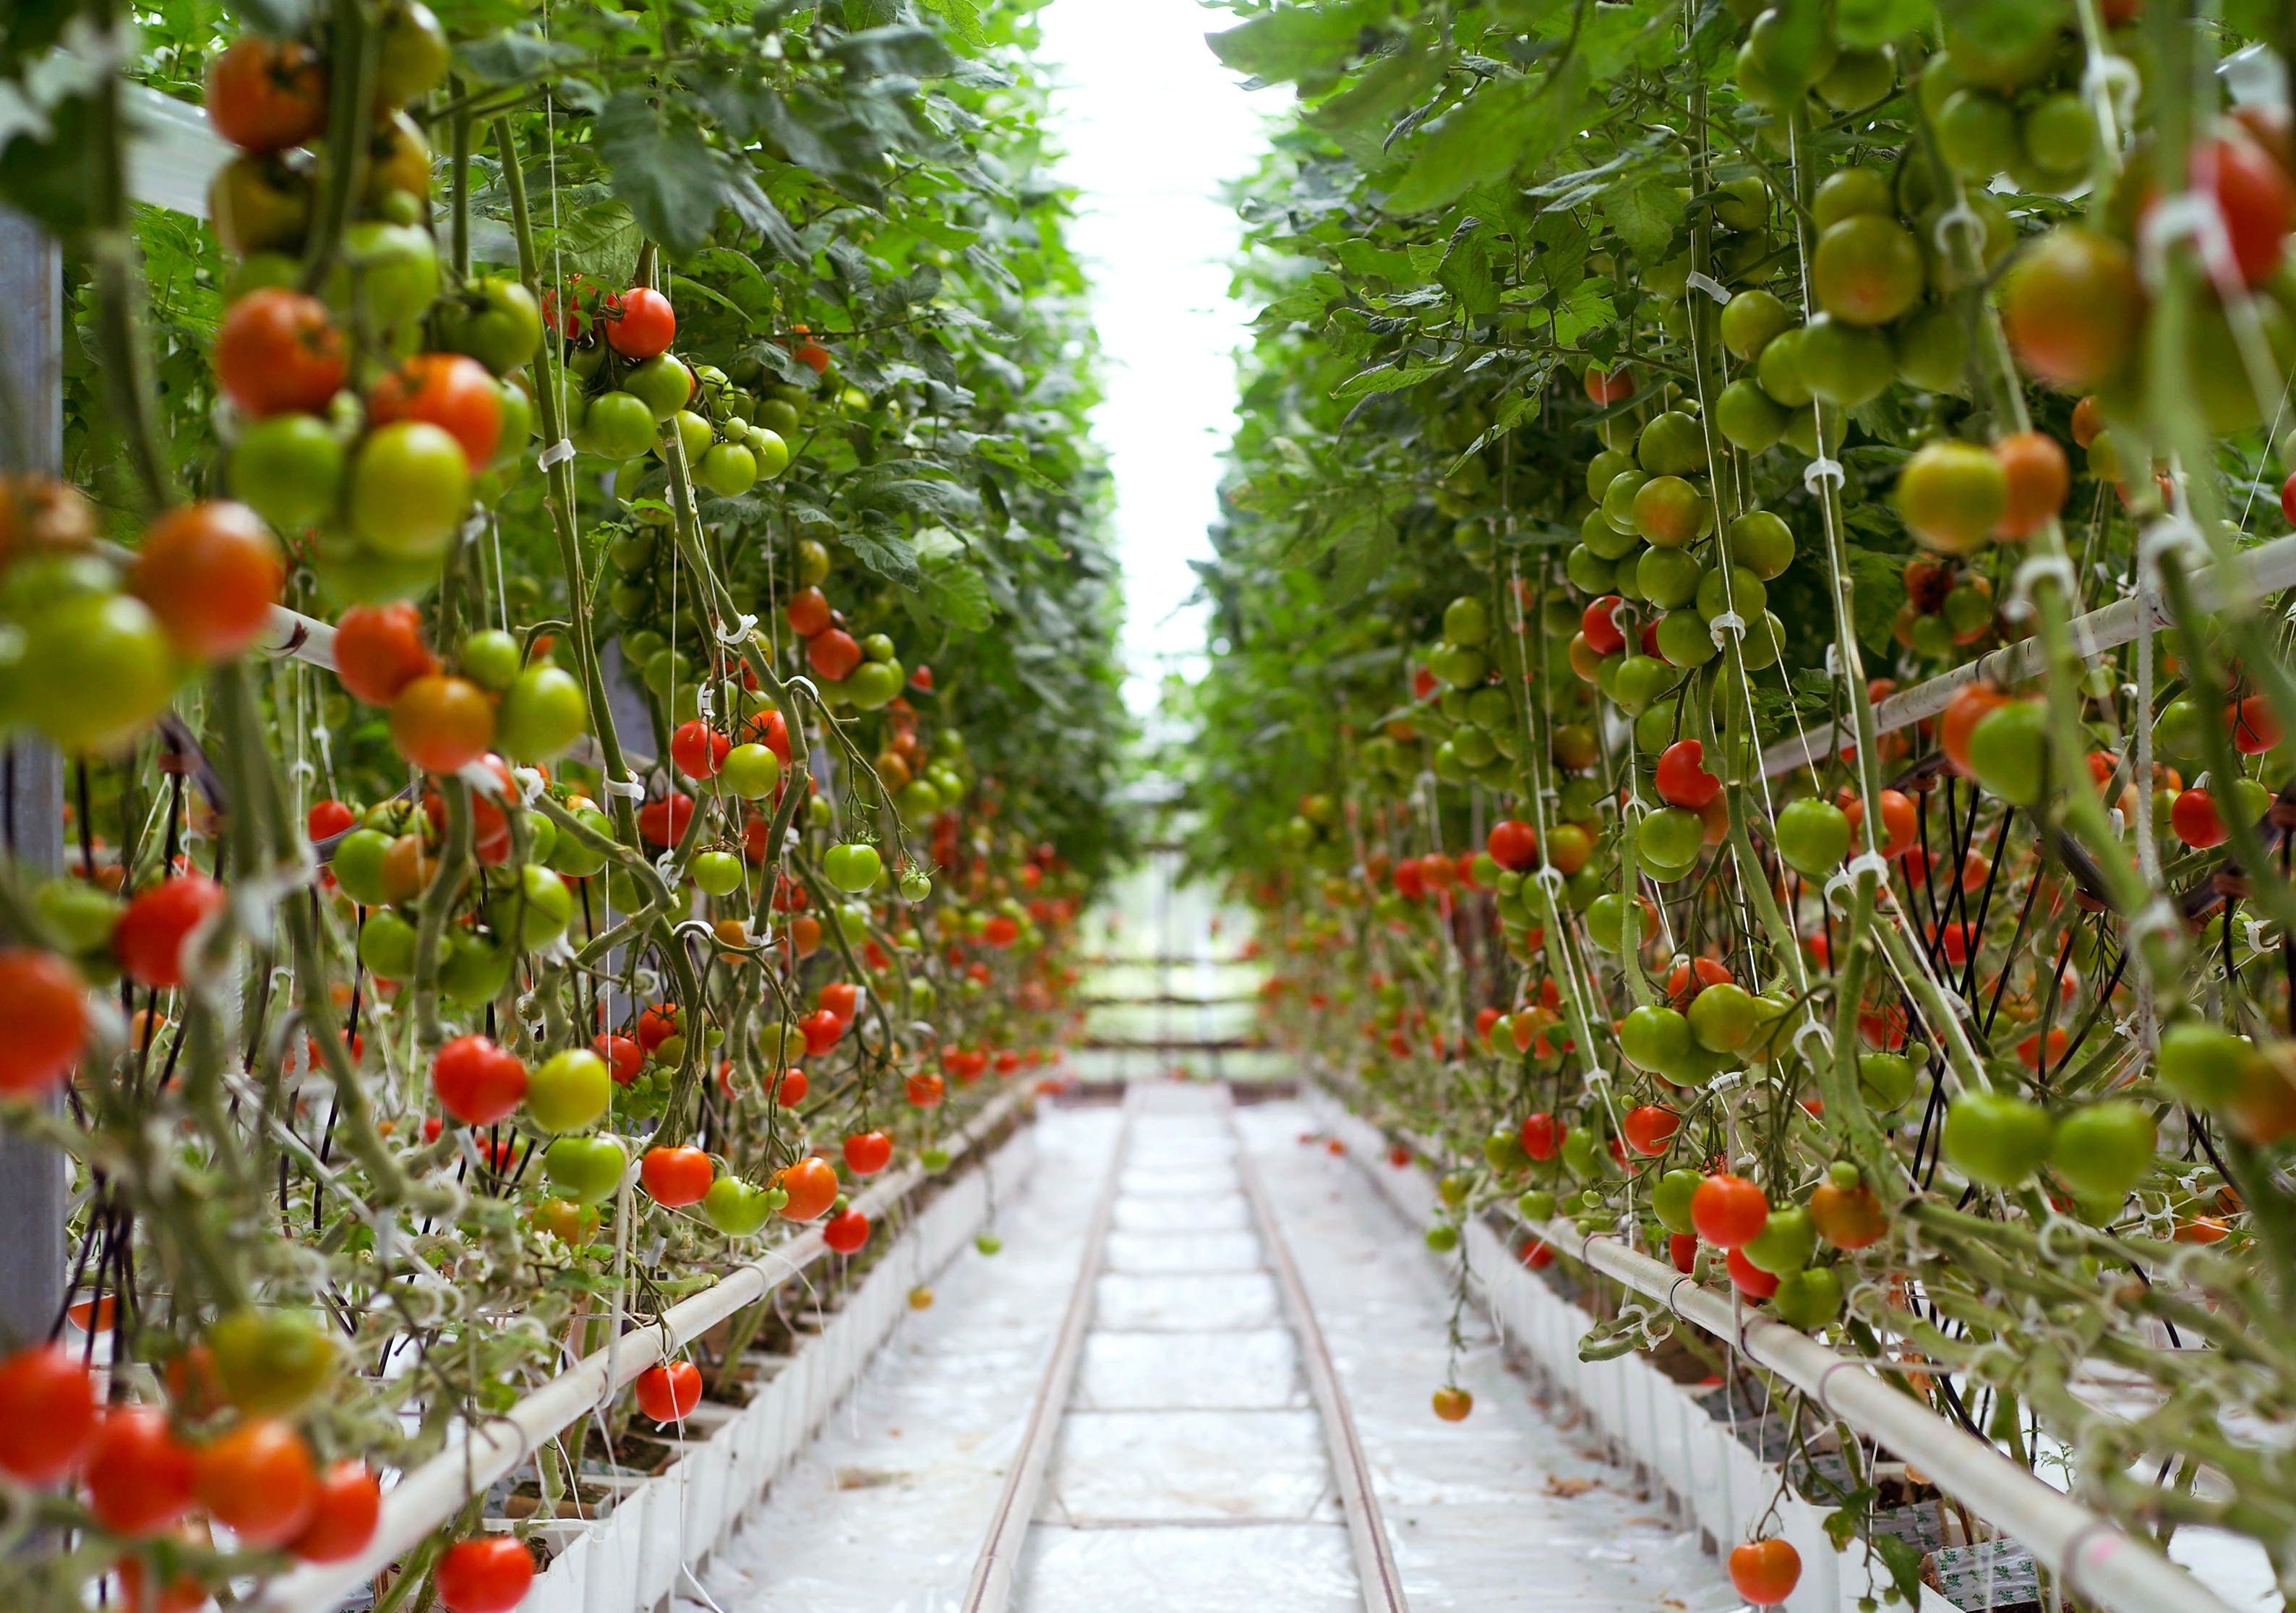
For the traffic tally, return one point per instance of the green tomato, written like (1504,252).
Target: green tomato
(570,857)
(358,865)
(727,469)
(1670,1201)
(751,772)
(1997,1139)
(271,1362)
(1809,1299)
(586,1169)
(2105,1149)
(915,887)
(515,405)
(1785,1243)
(491,659)
(853,922)
(92,669)
(81,916)
(390,271)
(570,1090)
(853,867)
(1722,1017)
(874,685)
(718,873)
(772,452)
(289,469)
(495,321)
(2009,750)
(1503,1149)
(1762,543)
(616,426)
(1466,620)
(1536,1205)
(533,912)
(475,969)
(1641,679)
(736,1209)
(1442,1238)
(410,489)
(543,712)
(1885,1080)
(1813,836)
(1669,836)
(2203,1063)
(663,383)
(1748,417)
(386,946)
(695,435)
(1655,1038)
(1582,1153)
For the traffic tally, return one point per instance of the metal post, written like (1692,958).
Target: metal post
(32,1177)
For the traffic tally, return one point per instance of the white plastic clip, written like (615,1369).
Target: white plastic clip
(1959,213)
(481,779)
(1712,287)
(2118,78)
(738,634)
(1833,658)
(2188,213)
(2255,934)
(1728,623)
(530,784)
(2036,567)
(806,684)
(1597,1077)
(557,453)
(1728,1081)
(1821,470)
(705,700)
(1804,1031)
(628,789)
(1869,862)
(1549,878)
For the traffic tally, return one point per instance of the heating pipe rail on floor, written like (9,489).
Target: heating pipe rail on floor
(477,1455)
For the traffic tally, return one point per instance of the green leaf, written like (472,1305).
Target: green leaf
(1362,551)
(514,55)
(1382,90)
(1014,456)
(1304,44)
(906,50)
(1903,1558)
(1866,25)
(879,544)
(1386,378)
(663,171)
(1466,273)
(964,19)
(1644,210)
(1509,123)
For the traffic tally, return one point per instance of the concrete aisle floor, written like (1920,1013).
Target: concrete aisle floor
(1507,1512)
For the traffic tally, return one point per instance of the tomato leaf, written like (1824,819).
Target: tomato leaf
(1306,43)
(1644,210)
(906,50)
(664,171)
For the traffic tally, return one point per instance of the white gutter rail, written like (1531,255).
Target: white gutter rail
(428,1496)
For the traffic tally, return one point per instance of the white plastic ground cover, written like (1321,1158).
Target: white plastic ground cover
(884,1511)
(1644,1415)
(1508,1511)
(664,1529)
(1192,1474)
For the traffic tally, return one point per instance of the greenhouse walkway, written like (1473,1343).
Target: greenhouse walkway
(1189,1465)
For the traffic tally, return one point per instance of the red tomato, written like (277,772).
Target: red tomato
(1749,1279)
(922,678)
(1649,1126)
(772,732)
(257,1482)
(1728,1211)
(266,94)
(822,1030)
(833,654)
(458,395)
(48,1414)
(345,1507)
(279,350)
(1542,1135)
(2254,729)
(478,1083)
(1708,971)
(640,323)
(657,1025)
(845,1233)
(1000,931)
(1599,631)
(668,1394)
(149,938)
(1513,845)
(1682,1251)
(809,613)
(1609,386)
(1410,879)
(790,1090)
(43,1004)
(328,819)
(868,1152)
(211,573)
(842,998)
(677,1177)
(698,750)
(811,1185)
(488,1575)
(1765,1571)
(1900,821)
(1537,1254)
(623,1058)
(926,1089)
(663,821)
(441,722)
(139,1475)
(2195,820)
(1683,780)
(2254,198)
(378,650)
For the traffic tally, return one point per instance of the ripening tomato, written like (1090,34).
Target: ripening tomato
(811,1185)
(258,1481)
(266,94)
(346,1505)
(1728,1211)
(139,1475)
(488,1575)
(1971,704)
(640,323)
(2073,307)
(1765,1571)
(149,938)
(48,1414)
(211,573)
(278,350)
(698,750)
(2040,478)
(1605,386)
(441,722)
(1900,821)
(43,1004)
(833,654)
(868,1152)
(847,1232)
(670,1392)
(2253,196)
(677,1177)
(478,1083)
(378,650)
(1850,1218)
(458,395)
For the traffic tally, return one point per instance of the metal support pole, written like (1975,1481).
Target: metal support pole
(32,1179)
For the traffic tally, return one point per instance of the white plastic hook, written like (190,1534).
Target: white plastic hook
(1729,624)
(2036,567)
(738,634)
(1819,471)
(1711,287)
(557,453)
(628,789)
